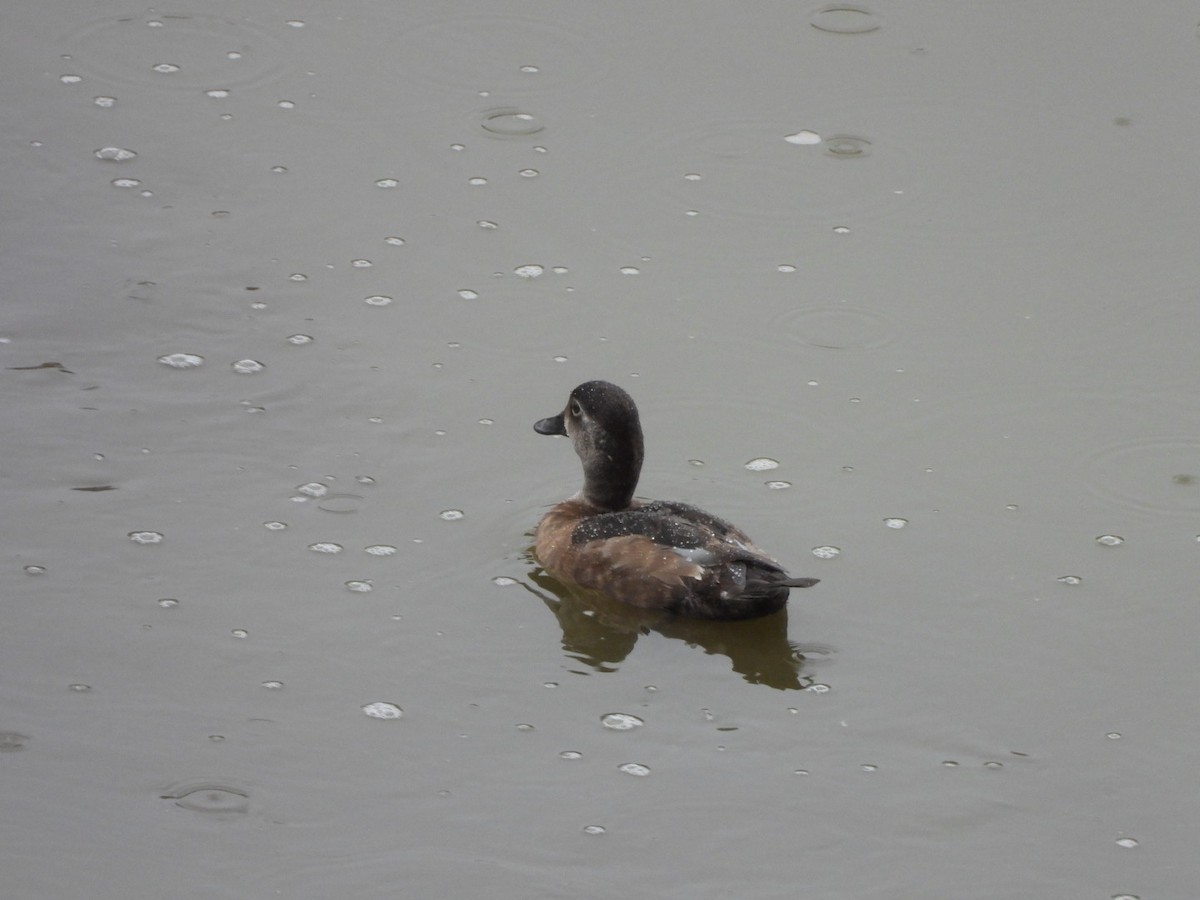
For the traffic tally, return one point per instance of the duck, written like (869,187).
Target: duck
(652,554)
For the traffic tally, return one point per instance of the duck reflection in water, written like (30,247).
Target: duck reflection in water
(600,633)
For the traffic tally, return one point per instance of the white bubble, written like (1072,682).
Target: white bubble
(116,154)
(803,138)
(181,360)
(621,721)
(382,710)
(762,464)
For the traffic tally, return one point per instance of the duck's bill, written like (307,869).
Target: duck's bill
(552,425)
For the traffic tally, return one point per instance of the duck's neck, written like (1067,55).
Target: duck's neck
(609,479)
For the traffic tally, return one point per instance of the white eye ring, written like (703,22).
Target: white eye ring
(576,409)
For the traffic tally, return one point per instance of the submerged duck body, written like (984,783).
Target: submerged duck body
(654,554)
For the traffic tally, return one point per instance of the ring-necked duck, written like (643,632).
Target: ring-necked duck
(655,554)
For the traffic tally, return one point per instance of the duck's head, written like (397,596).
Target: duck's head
(602,422)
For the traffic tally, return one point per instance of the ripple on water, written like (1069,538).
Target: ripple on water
(837,327)
(1158,474)
(767,171)
(507,54)
(1011,458)
(342,504)
(194,51)
(847,146)
(845,18)
(1031,184)
(214,797)
(510,122)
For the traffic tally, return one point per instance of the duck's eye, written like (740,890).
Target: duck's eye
(576,409)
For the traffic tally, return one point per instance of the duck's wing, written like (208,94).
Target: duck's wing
(717,526)
(698,537)
(659,525)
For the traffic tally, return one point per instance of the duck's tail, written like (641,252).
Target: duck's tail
(798,582)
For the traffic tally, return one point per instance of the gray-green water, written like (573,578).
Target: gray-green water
(936,260)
